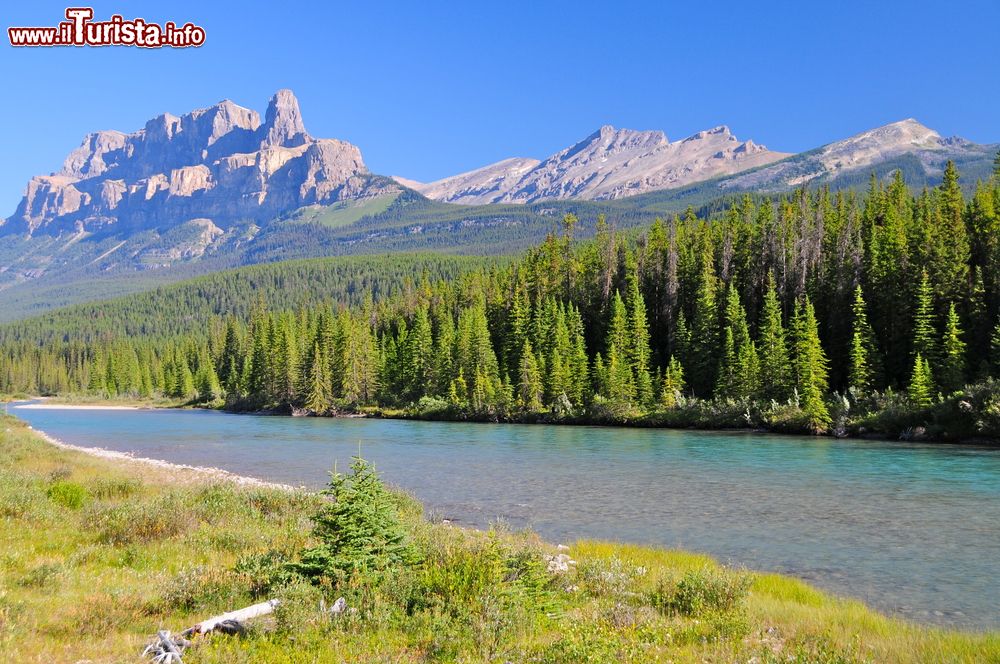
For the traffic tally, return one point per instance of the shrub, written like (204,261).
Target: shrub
(61,472)
(106,488)
(20,499)
(42,575)
(202,588)
(702,592)
(263,572)
(432,406)
(358,532)
(139,522)
(101,614)
(67,494)
(456,576)
(611,577)
(298,608)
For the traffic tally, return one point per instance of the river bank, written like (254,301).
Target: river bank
(115,588)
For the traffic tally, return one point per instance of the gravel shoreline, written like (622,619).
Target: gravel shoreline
(192,472)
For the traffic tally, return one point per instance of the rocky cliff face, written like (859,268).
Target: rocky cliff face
(862,153)
(610,163)
(219,163)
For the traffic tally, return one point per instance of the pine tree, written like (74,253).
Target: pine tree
(621,386)
(748,370)
(444,354)
(727,378)
(619,374)
(921,383)
(358,531)
(317,393)
(704,348)
(579,364)
(863,355)
(600,378)
(810,367)
(184,387)
(995,351)
(419,355)
(673,384)
(639,351)
(230,359)
(774,361)
(206,380)
(738,364)
(952,372)
(530,386)
(924,336)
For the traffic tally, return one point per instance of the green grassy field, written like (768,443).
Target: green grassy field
(98,554)
(342,213)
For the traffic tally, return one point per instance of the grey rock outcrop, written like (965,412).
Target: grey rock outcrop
(860,154)
(219,163)
(610,163)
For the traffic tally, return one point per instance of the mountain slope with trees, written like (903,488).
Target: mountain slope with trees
(820,311)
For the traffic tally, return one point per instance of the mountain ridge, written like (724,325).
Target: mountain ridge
(608,164)
(222,163)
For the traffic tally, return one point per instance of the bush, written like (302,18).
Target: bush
(432,407)
(42,575)
(358,532)
(703,592)
(107,488)
(265,572)
(612,577)
(139,522)
(199,588)
(456,576)
(20,499)
(298,608)
(67,494)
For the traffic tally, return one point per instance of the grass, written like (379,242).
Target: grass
(343,213)
(99,554)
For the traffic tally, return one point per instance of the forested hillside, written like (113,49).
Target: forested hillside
(820,311)
(190,306)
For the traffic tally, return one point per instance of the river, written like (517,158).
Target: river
(911,529)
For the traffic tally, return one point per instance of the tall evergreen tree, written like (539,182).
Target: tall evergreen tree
(952,372)
(810,367)
(921,383)
(318,398)
(673,384)
(639,350)
(703,354)
(924,335)
(774,360)
(863,356)
(530,388)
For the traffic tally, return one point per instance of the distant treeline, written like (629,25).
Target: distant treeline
(807,313)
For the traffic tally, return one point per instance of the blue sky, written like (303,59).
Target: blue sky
(429,89)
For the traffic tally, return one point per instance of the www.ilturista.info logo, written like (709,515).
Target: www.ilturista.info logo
(80,30)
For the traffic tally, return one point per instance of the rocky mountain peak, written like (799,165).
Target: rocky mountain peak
(609,163)
(218,163)
(283,125)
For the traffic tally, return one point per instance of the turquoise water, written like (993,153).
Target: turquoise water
(908,528)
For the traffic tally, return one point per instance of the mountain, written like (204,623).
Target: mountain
(609,164)
(220,188)
(218,165)
(920,151)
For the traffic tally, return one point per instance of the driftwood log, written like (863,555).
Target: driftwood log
(255,611)
(167,649)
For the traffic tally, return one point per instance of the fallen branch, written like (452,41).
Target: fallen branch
(167,649)
(257,610)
